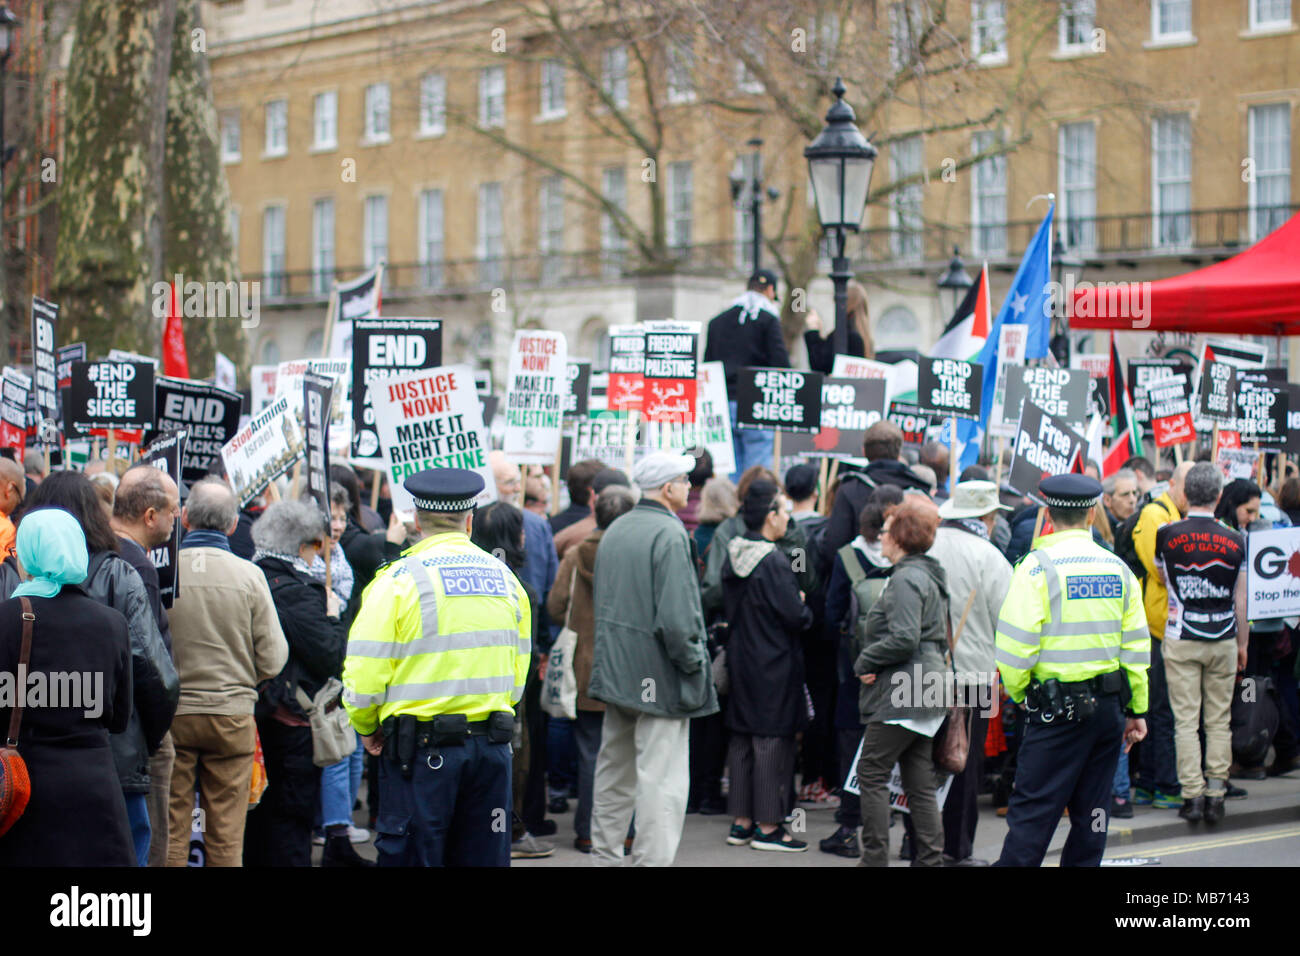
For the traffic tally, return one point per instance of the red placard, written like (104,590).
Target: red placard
(1174,430)
(1227,439)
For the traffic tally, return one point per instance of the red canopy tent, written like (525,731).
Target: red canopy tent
(1256,292)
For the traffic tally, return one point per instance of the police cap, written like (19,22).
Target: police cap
(1070,491)
(444,489)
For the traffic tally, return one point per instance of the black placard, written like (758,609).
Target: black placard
(67,354)
(1141,373)
(166,453)
(1059,392)
(914,422)
(116,395)
(949,388)
(45,377)
(1219,393)
(383,348)
(784,398)
(1262,409)
(317,395)
(209,416)
(1293,420)
(578,400)
(849,407)
(1045,445)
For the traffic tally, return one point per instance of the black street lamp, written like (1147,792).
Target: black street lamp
(953,285)
(8,25)
(840,161)
(755,200)
(1062,260)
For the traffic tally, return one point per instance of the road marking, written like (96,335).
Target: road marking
(1158,851)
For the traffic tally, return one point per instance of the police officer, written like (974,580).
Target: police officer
(437,657)
(1073,647)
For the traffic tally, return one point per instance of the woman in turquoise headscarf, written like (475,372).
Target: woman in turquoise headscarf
(76,689)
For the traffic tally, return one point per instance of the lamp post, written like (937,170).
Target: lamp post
(1061,261)
(840,161)
(755,200)
(953,284)
(8,25)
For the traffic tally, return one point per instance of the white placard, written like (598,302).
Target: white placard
(711,428)
(262,450)
(1272,579)
(536,387)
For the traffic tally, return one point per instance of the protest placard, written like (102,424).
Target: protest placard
(1045,445)
(626,368)
(166,452)
(45,377)
(897,795)
(1171,411)
(1273,575)
(109,395)
(950,387)
(14,389)
(914,422)
(1142,373)
(788,399)
(67,354)
(1227,439)
(849,408)
(1097,365)
(261,391)
(288,382)
(207,414)
(605,438)
(670,370)
(122,355)
(1237,463)
(483,381)
(317,401)
(1218,394)
(578,398)
(536,386)
(1293,420)
(358,299)
(382,349)
(1059,392)
(850,366)
(430,419)
(711,427)
(262,450)
(224,372)
(1262,412)
(1013,339)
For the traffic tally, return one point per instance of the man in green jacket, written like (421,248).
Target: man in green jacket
(650,667)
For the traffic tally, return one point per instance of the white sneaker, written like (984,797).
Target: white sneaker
(357,834)
(318,838)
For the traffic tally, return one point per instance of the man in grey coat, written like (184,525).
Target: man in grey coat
(650,667)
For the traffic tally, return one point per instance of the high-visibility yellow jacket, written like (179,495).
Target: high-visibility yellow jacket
(1073,611)
(445,630)
(1154,517)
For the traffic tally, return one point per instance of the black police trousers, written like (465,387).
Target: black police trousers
(456,815)
(1060,765)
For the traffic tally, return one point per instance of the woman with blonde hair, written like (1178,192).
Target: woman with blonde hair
(821,343)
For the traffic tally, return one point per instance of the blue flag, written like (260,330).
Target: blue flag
(1028,302)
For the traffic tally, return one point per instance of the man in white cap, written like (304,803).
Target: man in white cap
(650,667)
(978,578)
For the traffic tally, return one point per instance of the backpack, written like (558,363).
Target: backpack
(1255,720)
(1124,546)
(863,593)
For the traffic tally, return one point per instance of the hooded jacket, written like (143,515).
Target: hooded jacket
(156,689)
(765,617)
(746,334)
(794,545)
(907,637)
(578,568)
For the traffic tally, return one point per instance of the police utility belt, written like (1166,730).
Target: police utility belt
(1053,701)
(406,735)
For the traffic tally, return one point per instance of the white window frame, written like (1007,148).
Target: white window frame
(371,251)
(276,109)
(1160,37)
(432,236)
(322,245)
(983,26)
(378,105)
(433,105)
(907,204)
(1068,10)
(743,212)
(274,259)
(229,122)
(1264,219)
(1083,236)
(492,97)
(679,72)
(905,23)
(551,91)
(1268,26)
(325,121)
(490,239)
(550,228)
(988,237)
(681,205)
(613,244)
(613,74)
(1160,216)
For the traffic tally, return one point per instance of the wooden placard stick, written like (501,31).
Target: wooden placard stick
(555,478)
(375,480)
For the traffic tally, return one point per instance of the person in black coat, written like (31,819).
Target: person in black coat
(821,351)
(289,536)
(77,815)
(365,550)
(767,705)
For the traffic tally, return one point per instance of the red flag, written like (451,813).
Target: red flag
(175,363)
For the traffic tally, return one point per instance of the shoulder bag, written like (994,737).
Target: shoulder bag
(15,784)
(560,689)
(332,737)
(952,740)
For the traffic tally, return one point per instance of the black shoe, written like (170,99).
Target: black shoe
(1121,809)
(557,805)
(581,845)
(339,852)
(1213,809)
(692,808)
(843,842)
(712,808)
(1193,810)
(905,848)
(1251,773)
(542,828)
(1236,793)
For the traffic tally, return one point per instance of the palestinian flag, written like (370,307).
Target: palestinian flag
(1128,441)
(968,329)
